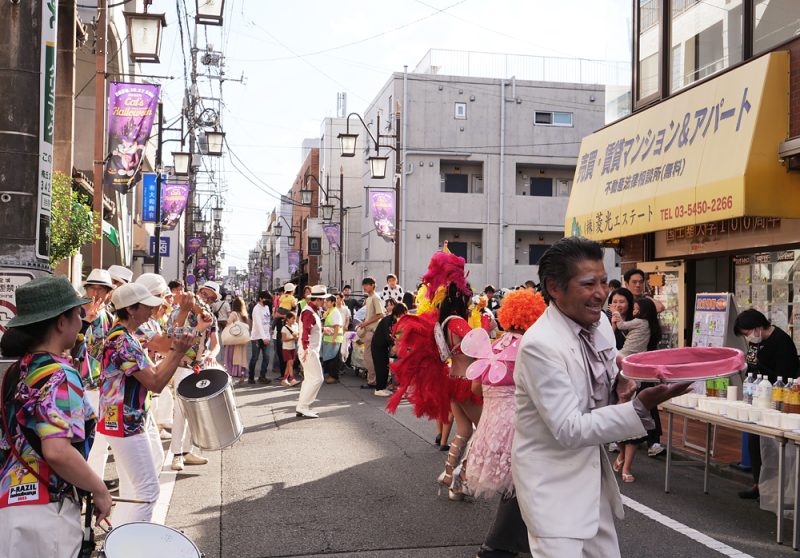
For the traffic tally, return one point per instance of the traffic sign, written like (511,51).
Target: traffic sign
(9,281)
(190,280)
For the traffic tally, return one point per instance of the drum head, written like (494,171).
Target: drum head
(141,539)
(204,384)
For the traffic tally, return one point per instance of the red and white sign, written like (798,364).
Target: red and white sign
(9,281)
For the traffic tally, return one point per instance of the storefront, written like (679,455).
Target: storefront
(694,191)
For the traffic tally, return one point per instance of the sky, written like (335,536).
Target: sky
(294,57)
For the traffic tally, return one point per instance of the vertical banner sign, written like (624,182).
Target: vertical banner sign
(149,196)
(267,272)
(195,242)
(294,261)
(131,111)
(332,234)
(47,104)
(212,273)
(381,204)
(174,196)
(201,270)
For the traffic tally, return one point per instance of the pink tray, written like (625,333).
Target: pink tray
(687,364)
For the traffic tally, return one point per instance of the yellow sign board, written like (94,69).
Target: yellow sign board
(707,154)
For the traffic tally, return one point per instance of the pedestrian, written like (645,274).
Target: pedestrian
(309,349)
(366,329)
(332,337)
(344,311)
(128,374)
(564,411)
(50,424)
(290,334)
(222,309)
(235,356)
(382,346)
(392,291)
(351,303)
(409,302)
(287,302)
(306,296)
(120,275)
(260,339)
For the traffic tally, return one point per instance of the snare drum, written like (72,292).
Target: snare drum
(140,538)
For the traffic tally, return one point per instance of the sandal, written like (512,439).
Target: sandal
(618,463)
(628,478)
(453,458)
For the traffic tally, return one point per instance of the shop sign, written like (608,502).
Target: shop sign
(694,158)
(9,281)
(716,229)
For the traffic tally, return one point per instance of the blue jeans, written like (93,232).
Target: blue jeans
(258,347)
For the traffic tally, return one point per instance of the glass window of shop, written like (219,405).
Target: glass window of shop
(705,37)
(770,283)
(648,49)
(774,21)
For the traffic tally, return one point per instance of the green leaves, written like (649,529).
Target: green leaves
(73,223)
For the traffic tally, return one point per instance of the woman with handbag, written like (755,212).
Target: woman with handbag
(235,338)
(50,424)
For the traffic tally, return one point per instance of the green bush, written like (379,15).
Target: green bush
(73,224)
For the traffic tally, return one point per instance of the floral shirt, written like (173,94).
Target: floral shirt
(202,341)
(146,332)
(123,400)
(91,352)
(48,401)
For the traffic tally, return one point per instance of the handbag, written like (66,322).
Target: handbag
(237,333)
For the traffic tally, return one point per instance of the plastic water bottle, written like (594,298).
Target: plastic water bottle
(747,389)
(765,394)
(757,388)
(777,394)
(787,399)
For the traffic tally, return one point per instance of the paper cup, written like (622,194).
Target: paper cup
(771,418)
(755,414)
(733,393)
(790,421)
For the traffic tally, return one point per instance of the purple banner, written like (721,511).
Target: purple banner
(195,242)
(201,269)
(174,196)
(132,108)
(267,272)
(381,203)
(294,261)
(332,234)
(212,274)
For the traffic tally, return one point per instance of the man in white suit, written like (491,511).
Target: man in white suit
(566,389)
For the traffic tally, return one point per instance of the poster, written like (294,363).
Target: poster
(332,234)
(149,187)
(47,105)
(294,261)
(174,196)
(132,107)
(9,281)
(381,204)
(201,270)
(194,244)
(710,320)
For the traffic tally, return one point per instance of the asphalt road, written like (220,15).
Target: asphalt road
(361,482)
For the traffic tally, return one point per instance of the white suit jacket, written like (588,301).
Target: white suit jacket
(558,460)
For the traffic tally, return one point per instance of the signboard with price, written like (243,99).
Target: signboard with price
(697,157)
(9,281)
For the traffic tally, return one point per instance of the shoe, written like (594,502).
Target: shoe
(177,463)
(613,447)
(112,485)
(263,380)
(437,440)
(618,463)
(489,552)
(293,383)
(306,414)
(192,459)
(383,393)
(164,435)
(367,386)
(445,447)
(752,494)
(655,449)
(331,380)
(285,383)
(251,381)
(628,478)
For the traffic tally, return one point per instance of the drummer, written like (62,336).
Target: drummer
(52,424)
(198,316)
(128,374)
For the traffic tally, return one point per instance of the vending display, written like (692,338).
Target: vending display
(770,283)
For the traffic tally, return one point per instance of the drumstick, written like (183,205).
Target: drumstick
(129,501)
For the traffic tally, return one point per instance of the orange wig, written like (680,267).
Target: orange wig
(520,309)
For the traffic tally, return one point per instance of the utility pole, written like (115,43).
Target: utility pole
(99,126)
(159,164)
(341,227)
(191,109)
(398,171)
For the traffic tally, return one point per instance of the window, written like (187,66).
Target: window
(775,21)
(456,183)
(459,177)
(461,111)
(647,70)
(465,243)
(563,187)
(542,187)
(543,118)
(535,251)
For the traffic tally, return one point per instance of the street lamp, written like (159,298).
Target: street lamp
(144,31)
(377,166)
(347,143)
(216,140)
(277,229)
(181,160)
(216,211)
(209,12)
(327,211)
(305,196)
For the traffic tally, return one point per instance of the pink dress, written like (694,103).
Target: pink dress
(488,469)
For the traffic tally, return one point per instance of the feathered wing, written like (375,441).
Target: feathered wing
(420,373)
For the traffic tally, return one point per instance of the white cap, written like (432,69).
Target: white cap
(154,283)
(213,285)
(289,287)
(99,277)
(121,273)
(133,293)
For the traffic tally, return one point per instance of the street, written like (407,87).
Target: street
(361,482)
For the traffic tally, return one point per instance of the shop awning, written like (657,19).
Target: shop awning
(708,154)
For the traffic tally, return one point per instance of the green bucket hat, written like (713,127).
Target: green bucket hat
(44,298)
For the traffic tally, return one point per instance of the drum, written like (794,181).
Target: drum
(138,539)
(208,404)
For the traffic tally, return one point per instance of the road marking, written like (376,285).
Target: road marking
(166,480)
(693,534)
